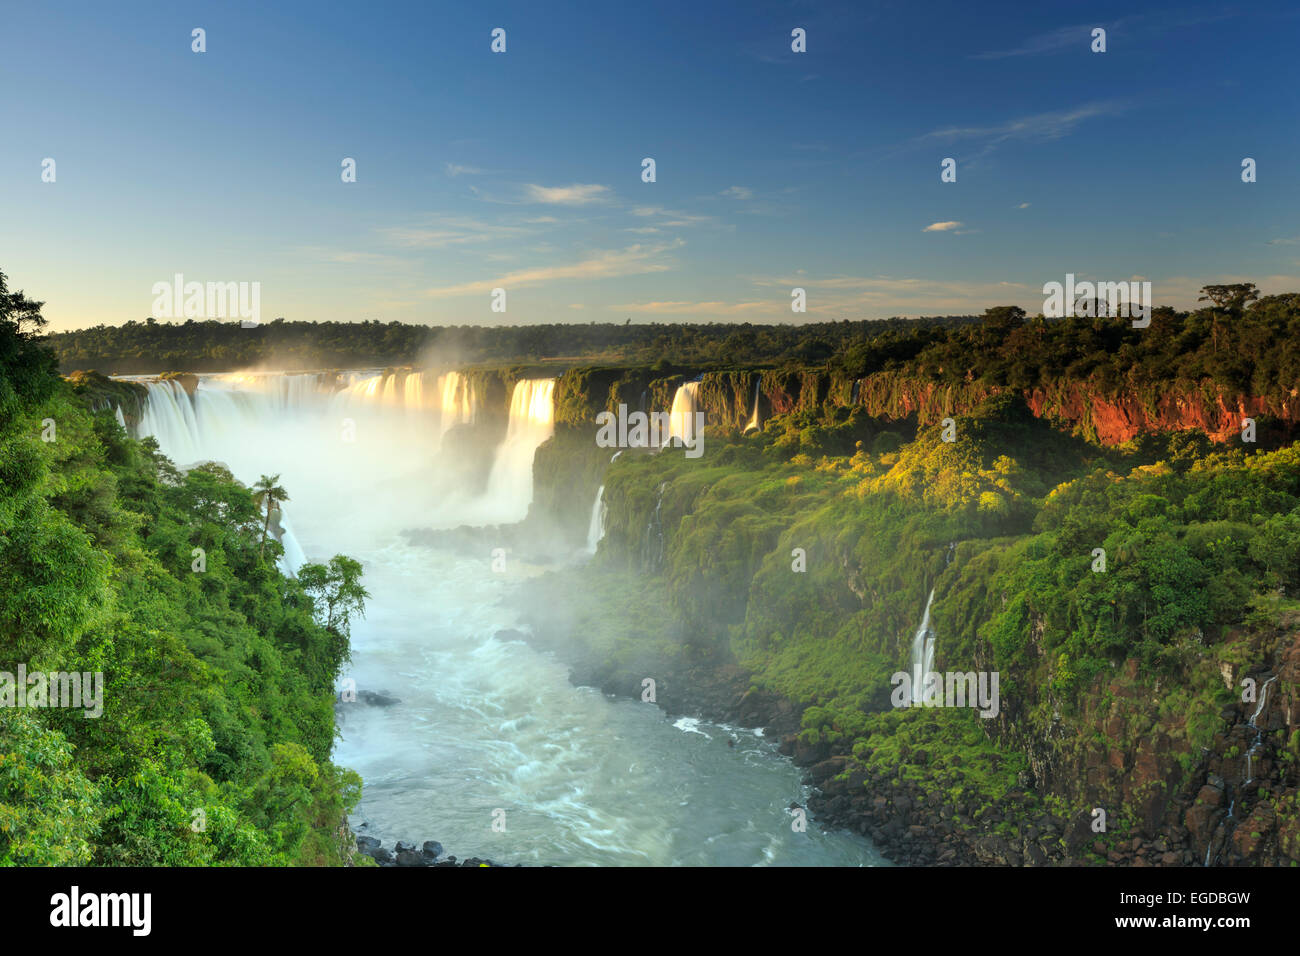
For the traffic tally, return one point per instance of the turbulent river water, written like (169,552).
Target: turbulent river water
(483,724)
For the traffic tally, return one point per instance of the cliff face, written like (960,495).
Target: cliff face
(1170,755)
(1107,416)
(1113,420)
(1110,418)
(100,391)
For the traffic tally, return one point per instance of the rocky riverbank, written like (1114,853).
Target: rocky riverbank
(912,825)
(404,853)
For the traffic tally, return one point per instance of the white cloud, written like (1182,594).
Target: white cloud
(454,169)
(671,217)
(942,226)
(634,260)
(738,192)
(578,194)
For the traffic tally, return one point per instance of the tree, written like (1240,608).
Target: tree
(18,309)
(268,495)
(337,590)
(1229,301)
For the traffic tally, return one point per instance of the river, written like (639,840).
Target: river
(487,730)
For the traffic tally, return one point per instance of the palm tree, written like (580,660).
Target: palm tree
(268,495)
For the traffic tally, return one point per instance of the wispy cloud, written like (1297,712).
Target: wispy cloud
(835,296)
(579,194)
(1050,42)
(1023,205)
(1039,126)
(1295,241)
(738,192)
(454,170)
(671,217)
(1080,35)
(948,226)
(634,260)
(718,307)
(449,231)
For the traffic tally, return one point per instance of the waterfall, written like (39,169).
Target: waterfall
(413,392)
(654,532)
(681,420)
(596,529)
(378,439)
(457,402)
(1259,734)
(293,557)
(1250,764)
(117,413)
(168,416)
(754,424)
(532,421)
(922,653)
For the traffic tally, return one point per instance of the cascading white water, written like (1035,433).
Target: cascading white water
(484,721)
(596,529)
(117,413)
(293,557)
(681,420)
(532,421)
(457,402)
(754,424)
(1250,766)
(168,416)
(922,653)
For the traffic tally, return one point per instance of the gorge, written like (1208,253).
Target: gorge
(484,721)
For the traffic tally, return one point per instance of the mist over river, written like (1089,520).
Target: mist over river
(483,724)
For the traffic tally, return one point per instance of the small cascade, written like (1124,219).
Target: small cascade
(681,420)
(654,532)
(1229,821)
(596,529)
(922,653)
(117,413)
(754,424)
(1259,734)
(293,558)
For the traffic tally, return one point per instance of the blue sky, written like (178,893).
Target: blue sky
(522,170)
